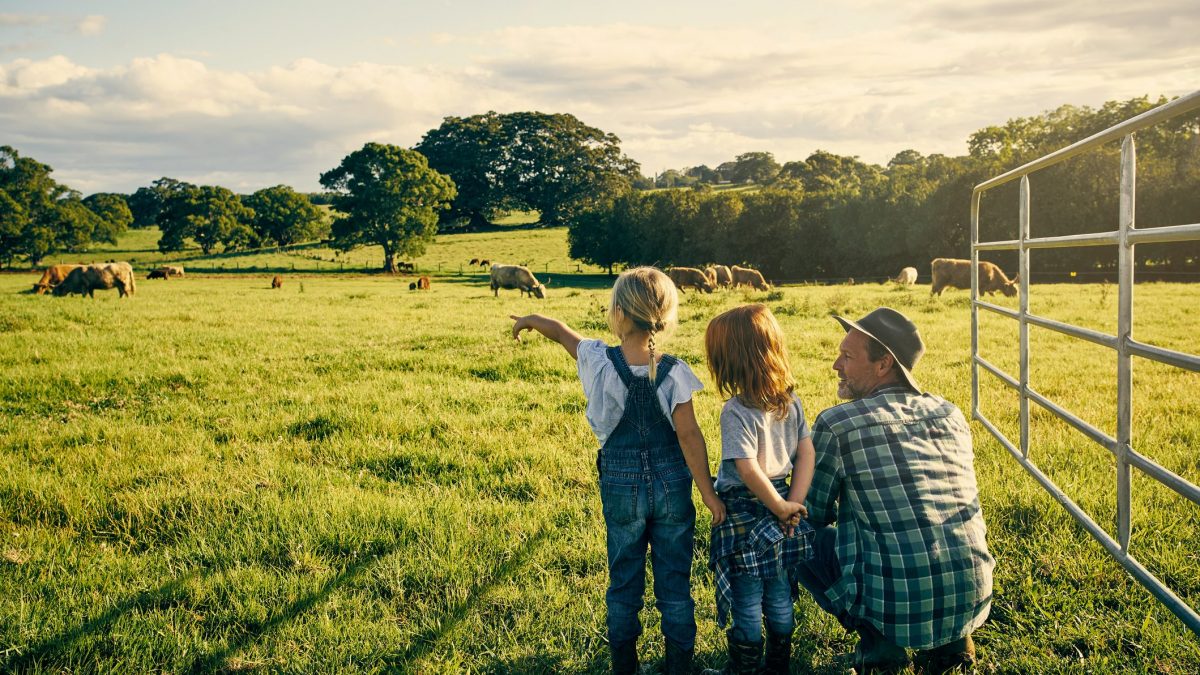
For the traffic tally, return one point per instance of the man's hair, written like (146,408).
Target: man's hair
(876,351)
(747,358)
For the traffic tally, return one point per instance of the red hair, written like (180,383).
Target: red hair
(747,358)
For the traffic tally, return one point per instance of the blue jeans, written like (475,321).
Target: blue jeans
(655,511)
(823,571)
(757,599)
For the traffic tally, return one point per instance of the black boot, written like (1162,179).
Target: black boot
(778,660)
(678,660)
(877,655)
(624,657)
(743,657)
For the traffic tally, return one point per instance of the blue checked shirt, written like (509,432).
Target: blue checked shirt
(895,470)
(751,542)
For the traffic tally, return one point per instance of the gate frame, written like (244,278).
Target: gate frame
(1125,237)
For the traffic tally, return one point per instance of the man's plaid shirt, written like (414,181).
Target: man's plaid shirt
(751,542)
(896,471)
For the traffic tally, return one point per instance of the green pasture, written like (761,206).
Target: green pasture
(342,475)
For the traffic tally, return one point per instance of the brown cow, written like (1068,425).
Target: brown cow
(516,276)
(423,284)
(749,277)
(690,276)
(711,273)
(724,276)
(277,281)
(474,262)
(956,273)
(485,263)
(160,273)
(53,276)
(86,280)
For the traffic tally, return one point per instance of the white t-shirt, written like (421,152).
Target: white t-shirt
(751,433)
(606,392)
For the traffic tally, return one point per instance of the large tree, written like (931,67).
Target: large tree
(147,202)
(553,164)
(38,215)
(115,216)
(388,196)
(285,216)
(209,214)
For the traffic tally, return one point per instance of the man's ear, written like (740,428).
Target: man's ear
(885,363)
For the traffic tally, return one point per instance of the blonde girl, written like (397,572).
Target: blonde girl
(639,405)
(767,461)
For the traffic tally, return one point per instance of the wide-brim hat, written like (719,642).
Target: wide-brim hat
(896,333)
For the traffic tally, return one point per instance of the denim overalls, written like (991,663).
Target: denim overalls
(646,490)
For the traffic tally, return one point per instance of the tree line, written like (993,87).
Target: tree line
(831,216)
(827,216)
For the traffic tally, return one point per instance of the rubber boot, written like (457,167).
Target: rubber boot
(877,654)
(956,656)
(624,657)
(678,660)
(743,657)
(778,660)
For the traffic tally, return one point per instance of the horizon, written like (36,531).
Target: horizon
(205,95)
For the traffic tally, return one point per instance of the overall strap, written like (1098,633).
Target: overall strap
(618,360)
(664,369)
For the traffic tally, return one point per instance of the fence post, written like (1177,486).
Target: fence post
(1124,334)
(1023,312)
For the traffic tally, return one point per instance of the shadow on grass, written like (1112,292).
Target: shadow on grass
(162,597)
(426,641)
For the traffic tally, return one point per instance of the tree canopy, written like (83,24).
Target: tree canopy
(551,163)
(210,215)
(285,216)
(388,196)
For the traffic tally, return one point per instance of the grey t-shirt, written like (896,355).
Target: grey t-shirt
(750,433)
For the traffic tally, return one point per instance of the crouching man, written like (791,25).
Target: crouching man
(900,550)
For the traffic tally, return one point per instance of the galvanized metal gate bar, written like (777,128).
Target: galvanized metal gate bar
(1124,238)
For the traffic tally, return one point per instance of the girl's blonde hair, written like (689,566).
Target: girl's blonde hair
(649,300)
(747,358)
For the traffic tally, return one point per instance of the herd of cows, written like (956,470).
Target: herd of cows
(84,279)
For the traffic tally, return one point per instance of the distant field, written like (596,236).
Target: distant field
(346,476)
(543,249)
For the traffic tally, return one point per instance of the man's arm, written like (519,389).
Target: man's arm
(827,477)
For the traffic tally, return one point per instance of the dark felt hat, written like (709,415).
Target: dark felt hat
(896,333)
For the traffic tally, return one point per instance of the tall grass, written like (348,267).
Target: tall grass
(343,475)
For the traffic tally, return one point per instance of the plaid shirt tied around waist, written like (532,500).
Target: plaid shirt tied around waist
(751,542)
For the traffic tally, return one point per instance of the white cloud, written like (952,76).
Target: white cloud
(676,96)
(92,25)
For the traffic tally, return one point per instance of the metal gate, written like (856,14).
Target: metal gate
(1124,238)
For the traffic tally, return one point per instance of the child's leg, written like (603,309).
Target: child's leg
(625,511)
(747,608)
(672,534)
(777,605)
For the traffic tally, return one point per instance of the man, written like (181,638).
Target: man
(905,563)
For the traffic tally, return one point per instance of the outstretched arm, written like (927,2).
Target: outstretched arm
(551,328)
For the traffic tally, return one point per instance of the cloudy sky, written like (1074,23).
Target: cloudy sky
(255,93)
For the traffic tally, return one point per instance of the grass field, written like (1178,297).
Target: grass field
(342,475)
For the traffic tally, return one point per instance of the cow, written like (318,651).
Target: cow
(173,270)
(412,286)
(405,267)
(711,273)
(485,263)
(516,276)
(423,284)
(724,276)
(690,276)
(474,262)
(956,273)
(53,276)
(277,281)
(86,280)
(160,273)
(749,277)
(906,277)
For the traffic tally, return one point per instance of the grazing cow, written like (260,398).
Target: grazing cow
(516,276)
(748,277)
(405,267)
(277,281)
(906,277)
(956,273)
(711,273)
(485,263)
(724,276)
(86,280)
(423,284)
(160,273)
(474,262)
(412,286)
(173,270)
(690,276)
(850,281)
(53,276)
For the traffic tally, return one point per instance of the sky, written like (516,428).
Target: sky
(250,94)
